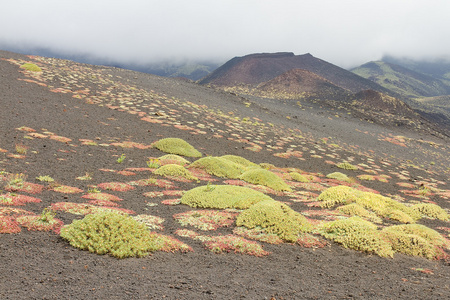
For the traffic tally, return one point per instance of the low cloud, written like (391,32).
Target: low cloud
(346,33)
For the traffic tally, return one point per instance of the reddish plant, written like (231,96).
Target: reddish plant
(67,189)
(101,197)
(85,208)
(236,244)
(171,201)
(115,186)
(17,200)
(9,225)
(206,219)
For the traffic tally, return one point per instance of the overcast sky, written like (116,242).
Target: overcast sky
(344,32)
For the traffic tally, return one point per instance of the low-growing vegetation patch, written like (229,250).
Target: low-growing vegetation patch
(346,166)
(87,176)
(219,167)
(168,244)
(416,239)
(31,67)
(176,146)
(17,200)
(382,206)
(206,219)
(222,196)
(152,222)
(233,243)
(85,208)
(45,178)
(266,178)
(9,225)
(115,186)
(355,209)
(174,171)
(358,234)
(432,211)
(225,244)
(258,234)
(275,217)
(101,196)
(240,160)
(173,159)
(44,222)
(153,163)
(298,177)
(67,189)
(110,233)
(15,182)
(339,176)
(307,240)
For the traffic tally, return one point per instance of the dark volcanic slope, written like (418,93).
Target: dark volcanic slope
(73,120)
(254,69)
(299,81)
(376,101)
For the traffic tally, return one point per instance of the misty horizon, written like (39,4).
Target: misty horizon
(345,33)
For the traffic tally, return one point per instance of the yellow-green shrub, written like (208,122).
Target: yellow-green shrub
(358,234)
(174,170)
(355,209)
(339,176)
(275,217)
(382,206)
(240,160)
(416,239)
(387,207)
(176,146)
(109,232)
(347,166)
(431,210)
(173,159)
(267,166)
(266,178)
(222,196)
(219,167)
(298,177)
(31,67)
(399,215)
(337,195)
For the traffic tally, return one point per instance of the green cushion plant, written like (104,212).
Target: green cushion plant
(176,146)
(222,196)
(240,160)
(266,178)
(358,234)
(416,239)
(31,67)
(382,206)
(354,209)
(175,171)
(119,235)
(298,177)
(173,159)
(347,166)
(339,176)
(276,218)
(219,167)
(432,211)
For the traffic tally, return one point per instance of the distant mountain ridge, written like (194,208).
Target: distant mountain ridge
(439,69)
(402,80)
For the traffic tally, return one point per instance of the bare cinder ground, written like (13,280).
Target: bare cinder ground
(41,265)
